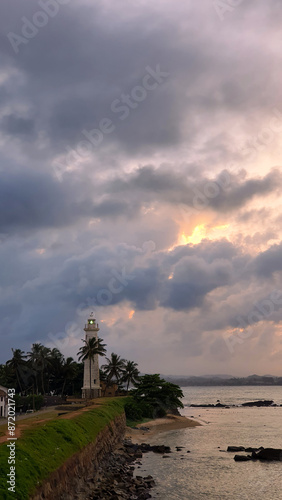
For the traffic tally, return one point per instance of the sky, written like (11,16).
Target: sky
(140,179)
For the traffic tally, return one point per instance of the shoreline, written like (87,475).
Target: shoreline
(154,427)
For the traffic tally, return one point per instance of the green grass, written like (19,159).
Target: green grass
(41,450)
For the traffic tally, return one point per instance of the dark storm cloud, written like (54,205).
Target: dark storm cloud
(194,276)
(226,192)
(269,262)
(30,201)
(33,201)
(75,84)
(16,125)
(192,280)
(83,60)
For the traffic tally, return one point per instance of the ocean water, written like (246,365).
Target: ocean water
(208,471)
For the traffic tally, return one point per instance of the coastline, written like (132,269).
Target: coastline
(168,423)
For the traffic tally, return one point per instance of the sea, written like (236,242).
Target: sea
(209,471)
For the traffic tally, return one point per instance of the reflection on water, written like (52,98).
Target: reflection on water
(207,472)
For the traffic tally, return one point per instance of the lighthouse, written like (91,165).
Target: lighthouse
(91,331)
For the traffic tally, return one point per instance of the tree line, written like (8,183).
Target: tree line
(46,371)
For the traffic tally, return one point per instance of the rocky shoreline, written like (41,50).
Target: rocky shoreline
(115,479)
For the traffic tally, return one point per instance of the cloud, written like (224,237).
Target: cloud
(202,149)
(269,262)
(225,192)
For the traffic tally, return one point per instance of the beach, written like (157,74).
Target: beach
(168,423)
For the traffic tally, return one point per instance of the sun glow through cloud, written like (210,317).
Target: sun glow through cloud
(201,232)
(131,314)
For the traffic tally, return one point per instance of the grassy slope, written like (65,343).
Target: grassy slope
(42,450)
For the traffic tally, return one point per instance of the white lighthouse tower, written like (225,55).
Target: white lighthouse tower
(91,331)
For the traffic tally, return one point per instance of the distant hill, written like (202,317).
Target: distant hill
(216,380)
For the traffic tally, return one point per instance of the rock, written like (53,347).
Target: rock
(250,450)
(242,458)
(269,454)
(258,403)
(217,405)
(115,479)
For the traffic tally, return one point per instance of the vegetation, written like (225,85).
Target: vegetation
(130,374)
(42,370)
(119,371)
(16,363)
(31,402)
(113,370)
(153,397)
(43,449)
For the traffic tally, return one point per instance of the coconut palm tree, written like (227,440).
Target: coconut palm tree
(130,374)
(16,363)
(55,370)
(69,370)
(39,357)
(113,369)
(91,348)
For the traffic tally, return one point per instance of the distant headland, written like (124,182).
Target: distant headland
(224,380)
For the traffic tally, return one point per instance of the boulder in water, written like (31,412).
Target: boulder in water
(258,403)
(269,454)
(242,458)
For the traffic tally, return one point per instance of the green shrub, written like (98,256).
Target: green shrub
(26,402)
(159,412)
(146,409)
(157,394)
(133,411)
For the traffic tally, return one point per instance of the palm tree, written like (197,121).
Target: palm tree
(69,370)
(40,358)
(130,373)
(55,371)
(16,363)
(91,348)
(113,369)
